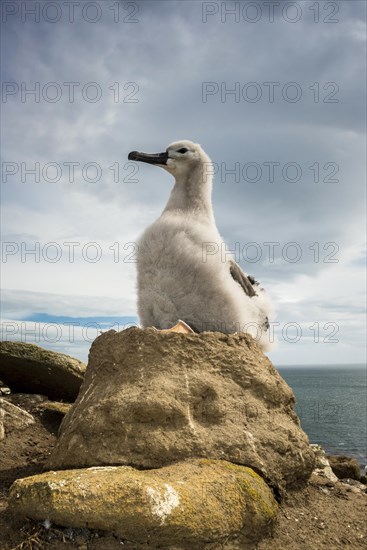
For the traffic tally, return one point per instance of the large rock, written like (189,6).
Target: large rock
(184,505)
(28,368)
(322,465)
(13,418)
(150,399)
(345,467)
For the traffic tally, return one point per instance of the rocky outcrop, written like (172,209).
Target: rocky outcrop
(322,465)
(29,368)
(13,418)
(345,467)
(150,399)
(185,505)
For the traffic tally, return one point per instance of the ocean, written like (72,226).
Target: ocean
(331,402)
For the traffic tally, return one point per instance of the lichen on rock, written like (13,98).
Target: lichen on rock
(186,504)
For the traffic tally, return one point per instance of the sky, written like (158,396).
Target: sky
(275,94)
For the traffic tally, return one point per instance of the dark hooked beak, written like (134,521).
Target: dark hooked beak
(156,158)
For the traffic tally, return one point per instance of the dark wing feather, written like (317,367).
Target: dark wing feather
(242,279)
(246,281)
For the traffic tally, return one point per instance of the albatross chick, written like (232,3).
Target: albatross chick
(182,274)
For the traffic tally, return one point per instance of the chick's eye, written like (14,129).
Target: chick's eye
(182,150)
